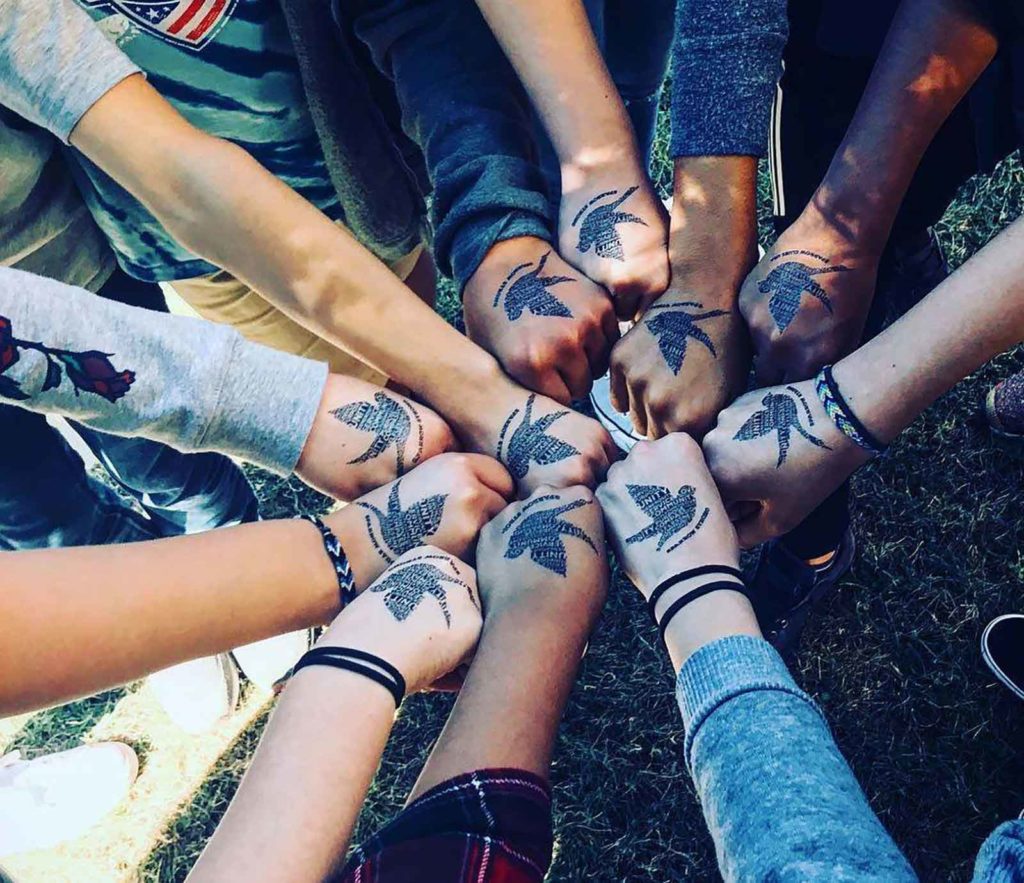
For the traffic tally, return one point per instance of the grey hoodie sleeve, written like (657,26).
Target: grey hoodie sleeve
(55,63)
(192,384)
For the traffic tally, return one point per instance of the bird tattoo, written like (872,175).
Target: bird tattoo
(389,421)
(789,282)
(403,529)
(674,326)
(529,293)
(530,442)
(669,512)
(406,586)
(779,415)
(540,533)
(598,228)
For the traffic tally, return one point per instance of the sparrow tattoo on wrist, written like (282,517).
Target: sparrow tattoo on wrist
(529,293)
(406,585)
(390,421)
(780,415)
(530,442)
(669,512)
(598,221)
(401,530)
(788,282)
(540,532)
(673,326)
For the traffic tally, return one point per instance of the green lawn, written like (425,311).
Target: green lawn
(893,661)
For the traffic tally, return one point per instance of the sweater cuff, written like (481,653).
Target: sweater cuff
(479,236)
(267,404)
(723,108)
(727,668)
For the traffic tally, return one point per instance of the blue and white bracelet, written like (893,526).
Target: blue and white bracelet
(339,561)
(842,415)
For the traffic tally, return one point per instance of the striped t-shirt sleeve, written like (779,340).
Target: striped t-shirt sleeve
(55,63)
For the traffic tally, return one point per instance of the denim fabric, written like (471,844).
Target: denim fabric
(779,799)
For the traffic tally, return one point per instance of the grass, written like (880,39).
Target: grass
(893,660)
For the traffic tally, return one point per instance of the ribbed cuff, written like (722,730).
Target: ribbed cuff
(266,407)
(478,237)
(724,669)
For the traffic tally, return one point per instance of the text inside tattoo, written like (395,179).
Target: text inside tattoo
(403,529)
(780,415)
(669,512)
(788,282)
(673,326)
(598,220)
(530,442)
(390,422)
(529,293)
(540,533)
(407,585)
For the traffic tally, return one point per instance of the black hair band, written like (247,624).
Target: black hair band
(690,597)
(693,573)
(359,662)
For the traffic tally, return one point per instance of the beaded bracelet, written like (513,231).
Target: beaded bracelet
(339,561)
(842,415)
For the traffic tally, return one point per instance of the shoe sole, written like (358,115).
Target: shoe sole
(988,413)
(991,663)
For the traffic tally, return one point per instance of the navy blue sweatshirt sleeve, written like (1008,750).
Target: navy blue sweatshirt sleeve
(463,104)
(726,62)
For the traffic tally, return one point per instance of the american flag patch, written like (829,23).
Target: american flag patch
(187,23)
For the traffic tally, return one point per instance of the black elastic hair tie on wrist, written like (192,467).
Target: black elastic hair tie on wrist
(358,662)
(676,579)
(339,561)
(690,597)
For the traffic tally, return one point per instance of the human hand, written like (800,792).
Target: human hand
(445,501)
(808,299)
(546,555)
(422,615)
(681,363)
(613,228)
(663,512)
(776,455)
(549,326)
(364,436)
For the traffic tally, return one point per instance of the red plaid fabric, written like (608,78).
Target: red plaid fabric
(489,826)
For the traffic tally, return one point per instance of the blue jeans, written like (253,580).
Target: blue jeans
(48,499)
(635,37)
(779,799)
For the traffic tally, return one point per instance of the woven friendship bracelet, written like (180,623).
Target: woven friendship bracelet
(339,561)
(841,414)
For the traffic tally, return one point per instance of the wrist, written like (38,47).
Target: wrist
(870,397)
(509,252)
(862,215)
(613,160)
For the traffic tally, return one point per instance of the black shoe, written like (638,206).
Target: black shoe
(910,270)
(1002,648)
(785,589)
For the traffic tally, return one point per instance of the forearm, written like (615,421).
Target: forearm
(974,315)
(713,238)
(935,51)
(218,201)
(78,620)
(509,708)
(552,47)
(294,811)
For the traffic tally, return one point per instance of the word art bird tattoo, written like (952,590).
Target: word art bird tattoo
(529,293)
(390,422)
(597,229)
(779,415)
(405,587)
(403,529)
(673,327)
(669,513)
(540,533)
(789,282)
(530,442)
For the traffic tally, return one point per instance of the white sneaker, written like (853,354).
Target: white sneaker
(619,426)
(199,694)
(58,797)
(266,662)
